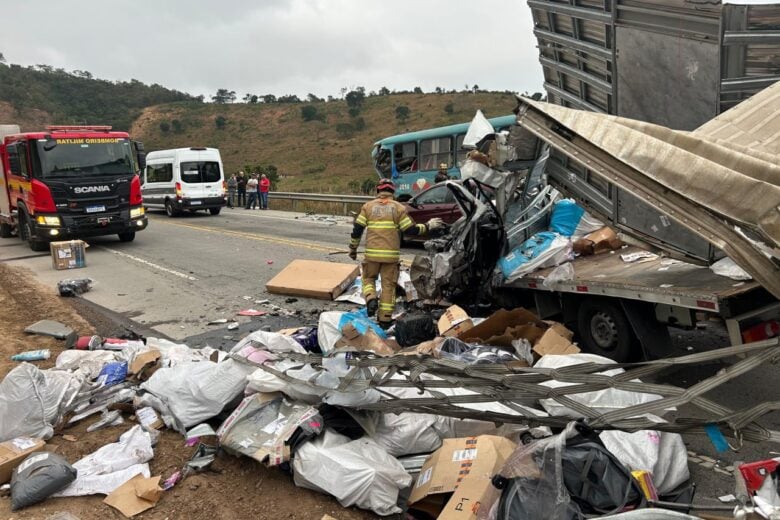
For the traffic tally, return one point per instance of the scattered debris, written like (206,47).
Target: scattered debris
(38,477)
(324,280)
(251,312)
(74,287)
(32,355)
(135,496)
(220,321)
(51,328)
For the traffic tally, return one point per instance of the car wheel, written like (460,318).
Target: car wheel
(604,330)
(170,210)
(128,236)
(215,211)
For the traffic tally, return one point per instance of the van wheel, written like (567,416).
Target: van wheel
(604,330)
(215,211)
(170,210)
(6,231)
(26,234)
(127,236)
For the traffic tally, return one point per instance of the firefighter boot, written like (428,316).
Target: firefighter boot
(372,306)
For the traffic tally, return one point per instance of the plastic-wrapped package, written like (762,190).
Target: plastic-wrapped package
(544,249)
(195,392)
(600,401)
(90,362)
(562,273)
(328,330)
(74,287)
(413,329)
(104,470)
(407,433)
(37,477)
(453,348)
(32,400)
(359,472)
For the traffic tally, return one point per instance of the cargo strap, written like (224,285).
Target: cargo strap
(519,387)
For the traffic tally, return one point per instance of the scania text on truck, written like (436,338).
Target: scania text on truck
(69,182)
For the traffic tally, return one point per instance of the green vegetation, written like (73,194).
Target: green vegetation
(43,94)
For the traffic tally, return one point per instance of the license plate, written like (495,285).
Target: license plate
(95,209)
(196,202)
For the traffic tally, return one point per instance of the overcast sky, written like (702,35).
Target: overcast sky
(282,46)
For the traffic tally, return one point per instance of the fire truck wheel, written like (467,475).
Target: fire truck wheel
(25,234)
(127,237)
(6,231)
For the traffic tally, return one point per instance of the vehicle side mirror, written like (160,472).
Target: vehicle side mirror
(142,161)
(50,145)
(415,205)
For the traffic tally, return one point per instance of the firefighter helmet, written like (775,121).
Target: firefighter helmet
(385,185)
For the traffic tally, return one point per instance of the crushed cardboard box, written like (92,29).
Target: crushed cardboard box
(352,339)
(14,451)
(324,280)
(454,322)
(136,495)
(456,481)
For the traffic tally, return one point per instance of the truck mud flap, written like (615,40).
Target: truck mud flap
(653,335)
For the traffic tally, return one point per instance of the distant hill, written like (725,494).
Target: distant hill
(330,153)
(38,95)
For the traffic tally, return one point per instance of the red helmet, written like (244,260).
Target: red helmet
(385,185)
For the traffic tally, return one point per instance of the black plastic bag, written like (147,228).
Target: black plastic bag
(413,329)
(39,476)
(74,287)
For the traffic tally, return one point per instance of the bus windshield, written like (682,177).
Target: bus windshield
(413,159)
(72,157)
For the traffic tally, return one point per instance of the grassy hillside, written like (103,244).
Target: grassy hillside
(315,156)
(38,95)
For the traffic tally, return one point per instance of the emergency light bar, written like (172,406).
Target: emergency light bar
(76,128)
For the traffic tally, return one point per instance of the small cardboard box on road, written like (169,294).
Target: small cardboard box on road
(324,280)
(14,451)
(69,254)
(455,482)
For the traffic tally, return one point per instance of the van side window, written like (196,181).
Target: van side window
(159,172)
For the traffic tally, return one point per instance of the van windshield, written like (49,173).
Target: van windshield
(200,171)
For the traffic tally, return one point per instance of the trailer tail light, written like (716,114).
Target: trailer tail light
(224,187)
(42,200)
(136,199)
(764,330)
(178,190)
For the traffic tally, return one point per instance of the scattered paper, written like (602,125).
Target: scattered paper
(251,312)
(135,496)
(727,498)
(217,322)
(233,325)
(639,256)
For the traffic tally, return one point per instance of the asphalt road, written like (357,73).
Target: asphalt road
(181,273)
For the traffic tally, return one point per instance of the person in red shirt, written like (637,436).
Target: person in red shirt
(264,187)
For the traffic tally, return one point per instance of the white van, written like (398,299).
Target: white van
(184,179)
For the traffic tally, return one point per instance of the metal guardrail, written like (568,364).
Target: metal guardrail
(344,200)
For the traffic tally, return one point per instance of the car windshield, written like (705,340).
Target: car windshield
(200,171)
(72,157)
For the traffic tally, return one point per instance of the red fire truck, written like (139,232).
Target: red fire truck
(69,182)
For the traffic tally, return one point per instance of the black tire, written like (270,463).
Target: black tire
(170,210)
(127,236)
(26,234)
(215,211)
(6,231)
(604,330)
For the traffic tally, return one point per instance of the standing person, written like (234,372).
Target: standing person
(384,217)
(232,185)
(241,189)
(265,187)
(251,192)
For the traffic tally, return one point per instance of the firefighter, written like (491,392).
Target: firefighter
(384,217)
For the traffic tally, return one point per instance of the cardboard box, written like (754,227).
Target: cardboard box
(14,451)
(552,342)
(454,322)
(455,482)
(69,254)
(324,280)
(503,326)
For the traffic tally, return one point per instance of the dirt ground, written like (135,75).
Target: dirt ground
(235,488)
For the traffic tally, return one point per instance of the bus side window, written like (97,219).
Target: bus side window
(384,162)
(405,156)
(434,152)
(460,152)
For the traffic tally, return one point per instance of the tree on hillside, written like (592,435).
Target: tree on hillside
(355,100)
(220,122)
(384,91)
(250,98)
(177,126)
(311,98)
(418,90)
(310,113)
(223,96)
(449,108)
(402,113)
(2,58)
(164,127)
(289,98)
(475,88)
(82,74)
(439,90)
(268,98)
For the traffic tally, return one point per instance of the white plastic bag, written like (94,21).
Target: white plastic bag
(601,401)
(90,362)
(196,392)
(328,331)
(562,273)
(358,473)
(482,173)
(726,267)
(31,400)
(104,470)
(478,129)
(663,454)
(407,433)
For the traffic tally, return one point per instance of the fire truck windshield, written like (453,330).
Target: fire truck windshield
(70,157)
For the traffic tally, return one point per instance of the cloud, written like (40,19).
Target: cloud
(284,46)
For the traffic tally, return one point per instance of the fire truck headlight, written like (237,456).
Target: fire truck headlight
(48,220)
(137,212)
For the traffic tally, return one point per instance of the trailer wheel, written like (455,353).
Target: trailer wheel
(215,211)
(128,236)
(6,231)
(604,330)
(26,234)
(170,210)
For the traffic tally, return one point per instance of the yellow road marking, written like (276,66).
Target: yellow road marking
(268,238)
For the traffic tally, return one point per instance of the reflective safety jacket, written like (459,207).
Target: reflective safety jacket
(384,218)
